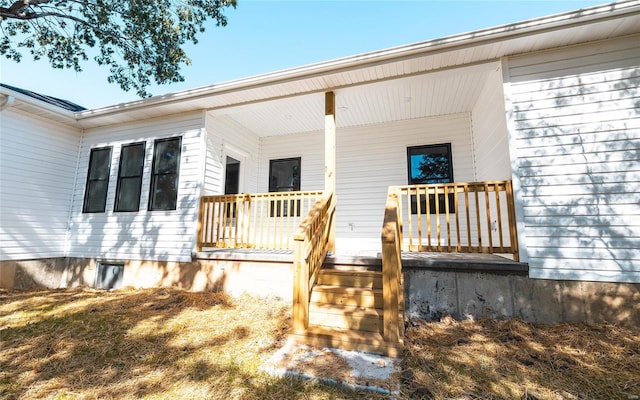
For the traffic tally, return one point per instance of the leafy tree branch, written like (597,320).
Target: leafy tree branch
(139,40)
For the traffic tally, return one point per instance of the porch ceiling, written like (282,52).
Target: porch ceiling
(416,96)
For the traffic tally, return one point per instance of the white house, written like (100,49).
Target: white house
(549,107)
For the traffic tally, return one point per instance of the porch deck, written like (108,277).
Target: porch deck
(470,262)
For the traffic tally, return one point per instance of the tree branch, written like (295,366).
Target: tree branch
(15,10)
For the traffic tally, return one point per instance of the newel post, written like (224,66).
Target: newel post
(330,158)
(391,267)
(300,286)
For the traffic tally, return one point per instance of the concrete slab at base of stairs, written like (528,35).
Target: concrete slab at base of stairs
(349,369)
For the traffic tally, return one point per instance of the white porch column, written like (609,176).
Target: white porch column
(329,143)
(330,157)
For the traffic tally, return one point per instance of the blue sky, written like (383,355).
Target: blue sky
(266,36)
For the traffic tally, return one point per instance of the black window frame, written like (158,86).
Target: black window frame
(156,176)
(90,182)
(277,208)
(412,150)
(118,206)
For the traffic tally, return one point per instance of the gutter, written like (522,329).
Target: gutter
(510,31)
(10,97)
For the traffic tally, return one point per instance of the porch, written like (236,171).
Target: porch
(355,299)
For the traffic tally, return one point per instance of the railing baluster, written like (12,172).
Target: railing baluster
(466,203)
(488,207)
(428,214)
(409,219)
(497,189)
(446,208)
(479,224)
(457,214)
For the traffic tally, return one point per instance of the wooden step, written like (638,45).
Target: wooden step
(347,296)
(371,342)
(346,317)
(359,279)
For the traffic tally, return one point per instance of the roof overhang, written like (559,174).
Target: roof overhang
(472,48)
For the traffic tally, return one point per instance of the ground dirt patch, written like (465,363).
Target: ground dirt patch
(168,343)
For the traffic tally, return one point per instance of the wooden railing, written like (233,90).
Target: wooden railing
(313,239)
(392,279)
(261,221)
(472,217)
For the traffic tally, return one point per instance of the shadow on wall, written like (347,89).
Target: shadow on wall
(136,238)
(579,178)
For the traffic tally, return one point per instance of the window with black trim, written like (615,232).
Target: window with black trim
(284,176)
(163,192)
(95,194)
(430,164)
(130,177)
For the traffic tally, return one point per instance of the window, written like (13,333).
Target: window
(284,176)
(430,164)
(130,177)
(163,194)
(95,195)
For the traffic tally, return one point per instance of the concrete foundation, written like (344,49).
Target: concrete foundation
(432,288)
(273,278)
(432,293)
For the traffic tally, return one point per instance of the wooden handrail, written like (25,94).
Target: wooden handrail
(392,281)
(463,217)
(257,220)
(312,242)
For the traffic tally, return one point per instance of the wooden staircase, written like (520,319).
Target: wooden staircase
(346,307)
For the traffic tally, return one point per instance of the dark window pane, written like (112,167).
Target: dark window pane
(130,177)
(167,154)
(163,193)
(128,196)
(95,196)
(99,163)
(132,160)
(284,175)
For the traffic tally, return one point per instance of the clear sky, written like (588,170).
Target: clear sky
(266,36)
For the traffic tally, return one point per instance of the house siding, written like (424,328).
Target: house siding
(308,146)
(575,121)
(369,159)
(491,141)
(38,163)
(226,137)
(141,235)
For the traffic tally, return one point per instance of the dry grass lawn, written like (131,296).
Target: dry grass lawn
(167,343)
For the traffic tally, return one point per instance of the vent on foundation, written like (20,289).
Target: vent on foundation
(109,275)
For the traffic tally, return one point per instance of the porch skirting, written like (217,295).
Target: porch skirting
(432,289)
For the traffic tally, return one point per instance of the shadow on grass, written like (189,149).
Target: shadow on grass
(512,359)
(162,343)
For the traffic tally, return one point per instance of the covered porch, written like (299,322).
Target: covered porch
(418,164)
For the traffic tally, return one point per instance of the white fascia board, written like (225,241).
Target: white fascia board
(68,116)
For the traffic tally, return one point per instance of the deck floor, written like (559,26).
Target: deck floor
(428,260)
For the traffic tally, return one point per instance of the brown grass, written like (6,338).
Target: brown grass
(168,343)
(512,359)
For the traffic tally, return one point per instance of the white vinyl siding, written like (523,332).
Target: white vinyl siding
(369,159)
(142,235)
(576,120)
(37,170)
(491,141)
(227,137)
(308,146)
